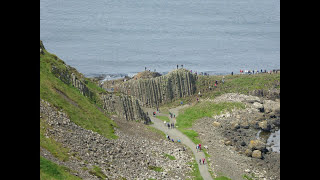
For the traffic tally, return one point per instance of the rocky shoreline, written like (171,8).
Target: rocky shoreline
(232,140)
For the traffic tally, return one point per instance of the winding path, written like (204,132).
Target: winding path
(176,134)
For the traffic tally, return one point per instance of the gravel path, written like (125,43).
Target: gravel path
(176,134)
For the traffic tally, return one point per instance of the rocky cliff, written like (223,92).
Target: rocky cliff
(155,91)
(125,106)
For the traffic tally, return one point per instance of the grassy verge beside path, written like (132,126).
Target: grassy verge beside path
(188,116)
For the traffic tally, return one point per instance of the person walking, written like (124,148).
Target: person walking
(197,147)
(203,160)
(200,161)
(168,126)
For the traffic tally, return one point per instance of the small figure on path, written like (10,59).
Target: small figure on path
(168,126)
(200,161)
(168,137)
(179,141)
(197,147)
(172,140)
(203,160)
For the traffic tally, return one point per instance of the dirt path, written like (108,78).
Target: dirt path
(176,134)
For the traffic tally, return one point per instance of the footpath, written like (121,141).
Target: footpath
(176,134)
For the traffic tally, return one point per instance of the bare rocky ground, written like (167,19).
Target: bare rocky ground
(131,156)
(232,142)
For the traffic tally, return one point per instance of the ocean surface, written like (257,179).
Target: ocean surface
(121,37)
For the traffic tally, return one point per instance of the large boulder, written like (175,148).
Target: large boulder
(256,154)
(271,106)
(256,145)
(264,125)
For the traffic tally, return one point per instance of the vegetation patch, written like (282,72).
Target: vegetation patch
(97,172)
(170,157)
(50,170)
(188,116)
(155,168)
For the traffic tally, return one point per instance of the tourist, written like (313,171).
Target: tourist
(222,79)
(200,161)
(232,73)
(172,140)
(200,147)
(165,123)
(168,126)
(169,137)
(172,125)
(203,160)
(179,141)
(197,147)
(177,66)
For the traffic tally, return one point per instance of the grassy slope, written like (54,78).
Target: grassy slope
(52,171)
(81,110)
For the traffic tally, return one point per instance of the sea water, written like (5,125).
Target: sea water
(122,37)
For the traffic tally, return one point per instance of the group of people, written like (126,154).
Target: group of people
(171,139)
(198,147)
(170,125)
(172,115)
(203,160)
(257,71)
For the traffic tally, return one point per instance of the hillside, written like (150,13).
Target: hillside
(88,133)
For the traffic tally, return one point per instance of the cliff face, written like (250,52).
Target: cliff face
(125,106)
(155,91)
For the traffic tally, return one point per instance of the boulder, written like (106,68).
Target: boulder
(216,124)
(256,154)
(256,145)
(248,152)
(264,125)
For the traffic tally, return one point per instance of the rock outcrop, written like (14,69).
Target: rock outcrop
(155,91)
(124,106)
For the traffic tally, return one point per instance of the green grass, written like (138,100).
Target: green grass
(170,157)
(52,171)
(163,118)
(155,168)
(189,116)
(97,172)
(80,109)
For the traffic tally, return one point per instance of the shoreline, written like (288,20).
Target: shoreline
(116,76)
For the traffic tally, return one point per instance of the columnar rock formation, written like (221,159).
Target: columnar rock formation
(155,91)
(125,106)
